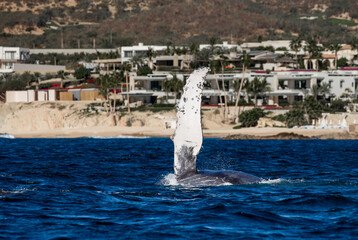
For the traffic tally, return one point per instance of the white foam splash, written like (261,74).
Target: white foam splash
(128,136)
(280,180)
(6,135)
(273,181)
(116,137)
(169,180)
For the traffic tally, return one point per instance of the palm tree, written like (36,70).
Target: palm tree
(314,50)
(27,76)
(258,86)
(246,61)
(176,85)
(247,87)
(214,65)
(223,63)
(116,80)
(150,54)
(296,45)
(138,60)
(325,89)
(126,67)
(61,74)
(335,47)
(354,45)
(212,41)
(37,82)
(202,58)
(315,91)
(103,82)
(166,86)
(194,48)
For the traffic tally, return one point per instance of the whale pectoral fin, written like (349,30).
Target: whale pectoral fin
(188,136)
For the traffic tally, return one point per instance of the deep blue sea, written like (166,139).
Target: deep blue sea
(117,188)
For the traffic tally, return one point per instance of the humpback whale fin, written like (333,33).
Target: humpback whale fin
(188,136)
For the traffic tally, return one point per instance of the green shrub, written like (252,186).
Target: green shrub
(249,118)
(144,71)
(295,117)
(242,102)
(163,105)
(338,105)
(82,73)
(280,118)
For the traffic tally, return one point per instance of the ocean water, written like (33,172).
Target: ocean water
(123,188)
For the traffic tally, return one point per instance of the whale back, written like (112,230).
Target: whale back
(188,136)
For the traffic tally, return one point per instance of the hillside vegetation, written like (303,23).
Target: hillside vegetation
(42,23)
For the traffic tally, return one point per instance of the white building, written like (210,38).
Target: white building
(11,55)
(71,51)
(30,95)
(270,43)
(286,86)
(128,52)
(224,45)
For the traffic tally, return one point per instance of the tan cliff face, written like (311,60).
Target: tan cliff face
(49,116)
(41,116)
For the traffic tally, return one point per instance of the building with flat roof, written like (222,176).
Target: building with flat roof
(129,51)
(224,45)
(71,51)
(11,55)
(286,87)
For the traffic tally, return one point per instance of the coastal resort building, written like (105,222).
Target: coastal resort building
(326,61)
(147,89)
(128,52)
(106,65)
(9,56)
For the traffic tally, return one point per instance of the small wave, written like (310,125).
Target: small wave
(6,135)
(128,136)
(279,180)
(15,191)
(116,137)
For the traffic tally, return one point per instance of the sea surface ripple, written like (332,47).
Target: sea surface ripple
(93,188)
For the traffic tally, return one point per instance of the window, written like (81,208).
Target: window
(330,83)
(128,53)
(300,84)
(298,98)
(341,83)
(140,52)
(9,65)
(155,85)
(10,55)
(226,84)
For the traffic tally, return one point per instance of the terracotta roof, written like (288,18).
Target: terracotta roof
(328,56)
(324,56)
(346,47)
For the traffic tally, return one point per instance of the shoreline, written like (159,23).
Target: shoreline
(223,133)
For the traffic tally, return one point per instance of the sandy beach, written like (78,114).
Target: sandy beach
(161,132)
(72,120)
